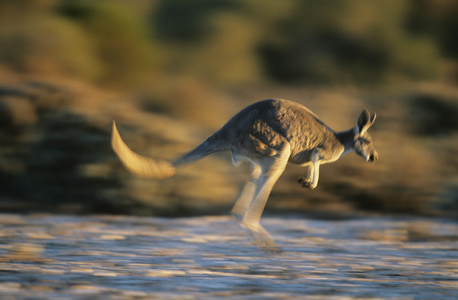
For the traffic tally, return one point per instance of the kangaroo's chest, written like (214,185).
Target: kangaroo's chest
(324,144)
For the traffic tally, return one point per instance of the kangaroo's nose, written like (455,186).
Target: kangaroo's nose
(373,157)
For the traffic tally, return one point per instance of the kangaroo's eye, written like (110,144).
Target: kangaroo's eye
(368,142)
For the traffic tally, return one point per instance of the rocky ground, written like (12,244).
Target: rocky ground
(116,257)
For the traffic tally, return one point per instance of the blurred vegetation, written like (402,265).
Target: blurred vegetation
(68,67)
(99,41)
(231,42)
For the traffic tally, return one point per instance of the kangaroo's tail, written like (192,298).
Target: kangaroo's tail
(214,143)
(137,164)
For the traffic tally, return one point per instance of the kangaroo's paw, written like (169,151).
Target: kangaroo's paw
(305,182)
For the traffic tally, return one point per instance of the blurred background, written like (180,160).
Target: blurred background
(172,72)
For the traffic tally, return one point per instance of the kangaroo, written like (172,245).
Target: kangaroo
(268,134)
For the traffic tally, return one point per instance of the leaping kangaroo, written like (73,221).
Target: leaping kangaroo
(268,134)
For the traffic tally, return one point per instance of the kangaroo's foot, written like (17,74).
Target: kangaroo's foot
(260,236)
(305,182)
(264,240)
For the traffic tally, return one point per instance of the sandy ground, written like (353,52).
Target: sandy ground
(117,257)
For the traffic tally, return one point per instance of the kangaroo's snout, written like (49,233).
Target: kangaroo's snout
(373,157)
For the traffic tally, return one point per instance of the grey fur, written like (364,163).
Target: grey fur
(269,134)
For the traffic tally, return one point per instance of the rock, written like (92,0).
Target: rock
(16,112)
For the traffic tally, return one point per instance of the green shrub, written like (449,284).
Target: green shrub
(120,36)
(40,41)
(51,43)
(348,41)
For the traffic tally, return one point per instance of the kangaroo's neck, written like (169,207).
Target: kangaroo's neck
(346,138)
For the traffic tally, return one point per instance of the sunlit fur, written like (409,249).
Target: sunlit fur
(140,165)
(268,134)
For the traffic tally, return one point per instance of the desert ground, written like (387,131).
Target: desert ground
(120,257)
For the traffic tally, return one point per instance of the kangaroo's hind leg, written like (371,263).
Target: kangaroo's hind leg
(247,194)
(271,169)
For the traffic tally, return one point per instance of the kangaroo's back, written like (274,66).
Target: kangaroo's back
(271,121)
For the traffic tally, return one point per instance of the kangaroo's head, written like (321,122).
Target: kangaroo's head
(363,143)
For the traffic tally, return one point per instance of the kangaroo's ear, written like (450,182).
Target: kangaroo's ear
(363,120)
(373,118)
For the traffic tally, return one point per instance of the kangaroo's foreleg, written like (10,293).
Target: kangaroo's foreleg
(311,181)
